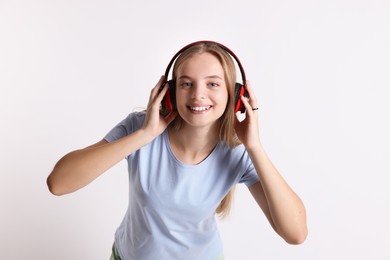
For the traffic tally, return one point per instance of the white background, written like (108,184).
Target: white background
(70,70)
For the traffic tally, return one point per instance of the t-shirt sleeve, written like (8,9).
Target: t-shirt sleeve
(249,176)
(127,126)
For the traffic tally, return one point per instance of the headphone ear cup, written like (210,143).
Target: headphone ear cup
(172,93)
(168,104)
(169,100)
(239,91)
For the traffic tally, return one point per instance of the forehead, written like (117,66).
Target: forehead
(201,64)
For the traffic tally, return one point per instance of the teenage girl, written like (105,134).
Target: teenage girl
(183,164)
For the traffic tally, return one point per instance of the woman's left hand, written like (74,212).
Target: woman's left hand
(282,206)
(248,130)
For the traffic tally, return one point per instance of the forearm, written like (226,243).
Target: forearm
(286,210)
(78,168)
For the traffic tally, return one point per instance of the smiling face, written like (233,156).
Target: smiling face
(201,93)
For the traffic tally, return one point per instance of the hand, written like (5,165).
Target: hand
(248,129)
(155,123)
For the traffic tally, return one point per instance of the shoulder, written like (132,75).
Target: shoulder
(133,121)
(136,116)
(226,154)
(234,157)
(238,160)
(127,126)
(236,150)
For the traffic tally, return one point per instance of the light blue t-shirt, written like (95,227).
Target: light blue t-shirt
(171,212)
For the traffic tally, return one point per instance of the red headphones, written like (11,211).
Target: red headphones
(169,100)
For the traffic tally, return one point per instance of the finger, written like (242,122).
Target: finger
(159,86)
(247,106)
(162,92)
(252,97)
(250,109)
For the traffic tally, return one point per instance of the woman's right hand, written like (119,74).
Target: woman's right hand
(155,123)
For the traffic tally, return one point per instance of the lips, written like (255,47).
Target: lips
(199,108)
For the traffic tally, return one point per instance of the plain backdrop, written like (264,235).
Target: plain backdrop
(70,70)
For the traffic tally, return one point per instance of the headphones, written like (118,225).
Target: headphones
(169,101)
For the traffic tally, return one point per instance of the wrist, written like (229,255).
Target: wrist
(253,143)
(145,136)
(255,147)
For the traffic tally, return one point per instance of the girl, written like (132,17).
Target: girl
(183,165)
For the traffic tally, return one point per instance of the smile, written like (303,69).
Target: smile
(200,108)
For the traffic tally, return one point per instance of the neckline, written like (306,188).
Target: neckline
(186,165)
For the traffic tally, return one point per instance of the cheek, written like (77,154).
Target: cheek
(223,97)
(226,99)
(181,104)
(179,98)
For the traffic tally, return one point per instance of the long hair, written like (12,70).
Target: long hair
(227,133)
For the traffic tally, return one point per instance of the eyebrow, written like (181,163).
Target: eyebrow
(208,77)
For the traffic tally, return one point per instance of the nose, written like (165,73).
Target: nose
(198,91)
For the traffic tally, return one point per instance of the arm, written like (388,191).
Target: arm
(281,205)
(78,168)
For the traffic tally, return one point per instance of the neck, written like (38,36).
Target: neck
(192,145)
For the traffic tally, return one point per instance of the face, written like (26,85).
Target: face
(201,93)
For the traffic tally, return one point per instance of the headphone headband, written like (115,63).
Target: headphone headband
(212,42)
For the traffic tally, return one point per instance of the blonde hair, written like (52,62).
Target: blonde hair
(227,133)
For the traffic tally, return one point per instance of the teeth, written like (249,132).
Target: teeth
(200,108)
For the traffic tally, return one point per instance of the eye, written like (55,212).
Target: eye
(213,84)
(186,84)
